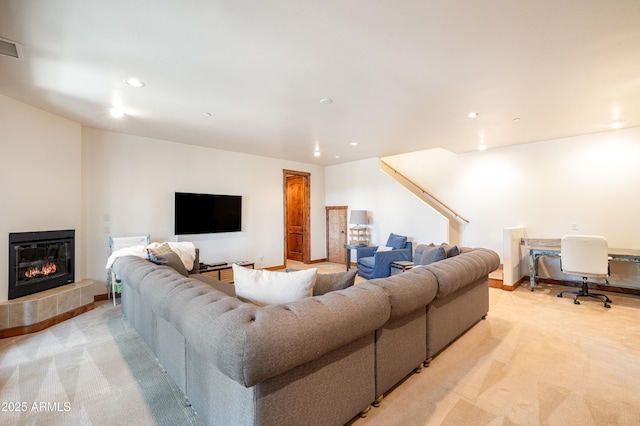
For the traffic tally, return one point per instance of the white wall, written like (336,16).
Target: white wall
(544,187)
(362,186)
(130,183)
(41,177)
(77,176)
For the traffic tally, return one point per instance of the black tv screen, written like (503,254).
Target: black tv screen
(207,213)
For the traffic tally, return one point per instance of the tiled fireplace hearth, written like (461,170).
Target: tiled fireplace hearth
(40,310)
(42,289)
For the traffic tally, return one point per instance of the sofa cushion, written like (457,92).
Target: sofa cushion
(263,287)
(368,261)
(263,342)
(326,283)
(396,241)
(432,254)
(226,288)
(409,291)
(460,271)
(132,269)
(450,251)
(170,259)
(158,248)
(186,251)
(384,248)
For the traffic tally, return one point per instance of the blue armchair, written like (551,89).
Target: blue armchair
(373,263)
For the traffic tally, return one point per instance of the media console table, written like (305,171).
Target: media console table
(225,272)
(551,247)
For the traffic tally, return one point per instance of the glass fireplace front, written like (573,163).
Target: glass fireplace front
(39,261)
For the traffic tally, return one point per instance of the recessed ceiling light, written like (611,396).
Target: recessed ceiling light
(337,157)
(516,119)
(354,143)
(316,153)
(482,147)
(134,82)
(616,114)
(616,124)
(117,112)
(206,114)
(326,101)
(473,115)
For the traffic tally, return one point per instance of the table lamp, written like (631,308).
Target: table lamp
(358,235)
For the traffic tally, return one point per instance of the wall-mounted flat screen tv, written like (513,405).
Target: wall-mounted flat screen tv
(207,213)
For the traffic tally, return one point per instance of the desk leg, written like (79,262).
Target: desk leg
(533,260)
(347,255)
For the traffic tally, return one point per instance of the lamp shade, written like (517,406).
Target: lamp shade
(359,217)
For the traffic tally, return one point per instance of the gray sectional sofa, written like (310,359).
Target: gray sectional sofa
(321,360)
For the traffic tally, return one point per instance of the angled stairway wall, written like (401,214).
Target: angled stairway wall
(456,222)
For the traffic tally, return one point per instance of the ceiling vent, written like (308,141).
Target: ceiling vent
(10,48)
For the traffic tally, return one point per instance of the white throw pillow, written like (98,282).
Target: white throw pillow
(384,248)
(263,287)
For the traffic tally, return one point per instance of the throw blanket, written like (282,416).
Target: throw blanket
(186,252)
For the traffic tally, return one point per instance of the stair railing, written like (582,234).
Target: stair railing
(434,202)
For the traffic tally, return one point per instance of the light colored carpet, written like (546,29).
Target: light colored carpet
(93,369)
(535,360)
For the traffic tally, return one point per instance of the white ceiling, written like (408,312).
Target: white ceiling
(403,75)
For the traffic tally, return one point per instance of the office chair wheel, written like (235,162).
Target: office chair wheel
(577,302)
(559,294)
(606,305)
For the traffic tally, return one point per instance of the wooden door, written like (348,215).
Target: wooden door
(336,233)
(297,204)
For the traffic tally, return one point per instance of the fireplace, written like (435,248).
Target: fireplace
(39,261)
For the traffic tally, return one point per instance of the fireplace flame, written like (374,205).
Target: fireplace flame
(47,269)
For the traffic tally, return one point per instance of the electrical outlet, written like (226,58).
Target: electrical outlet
(107,229)
(574,226)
